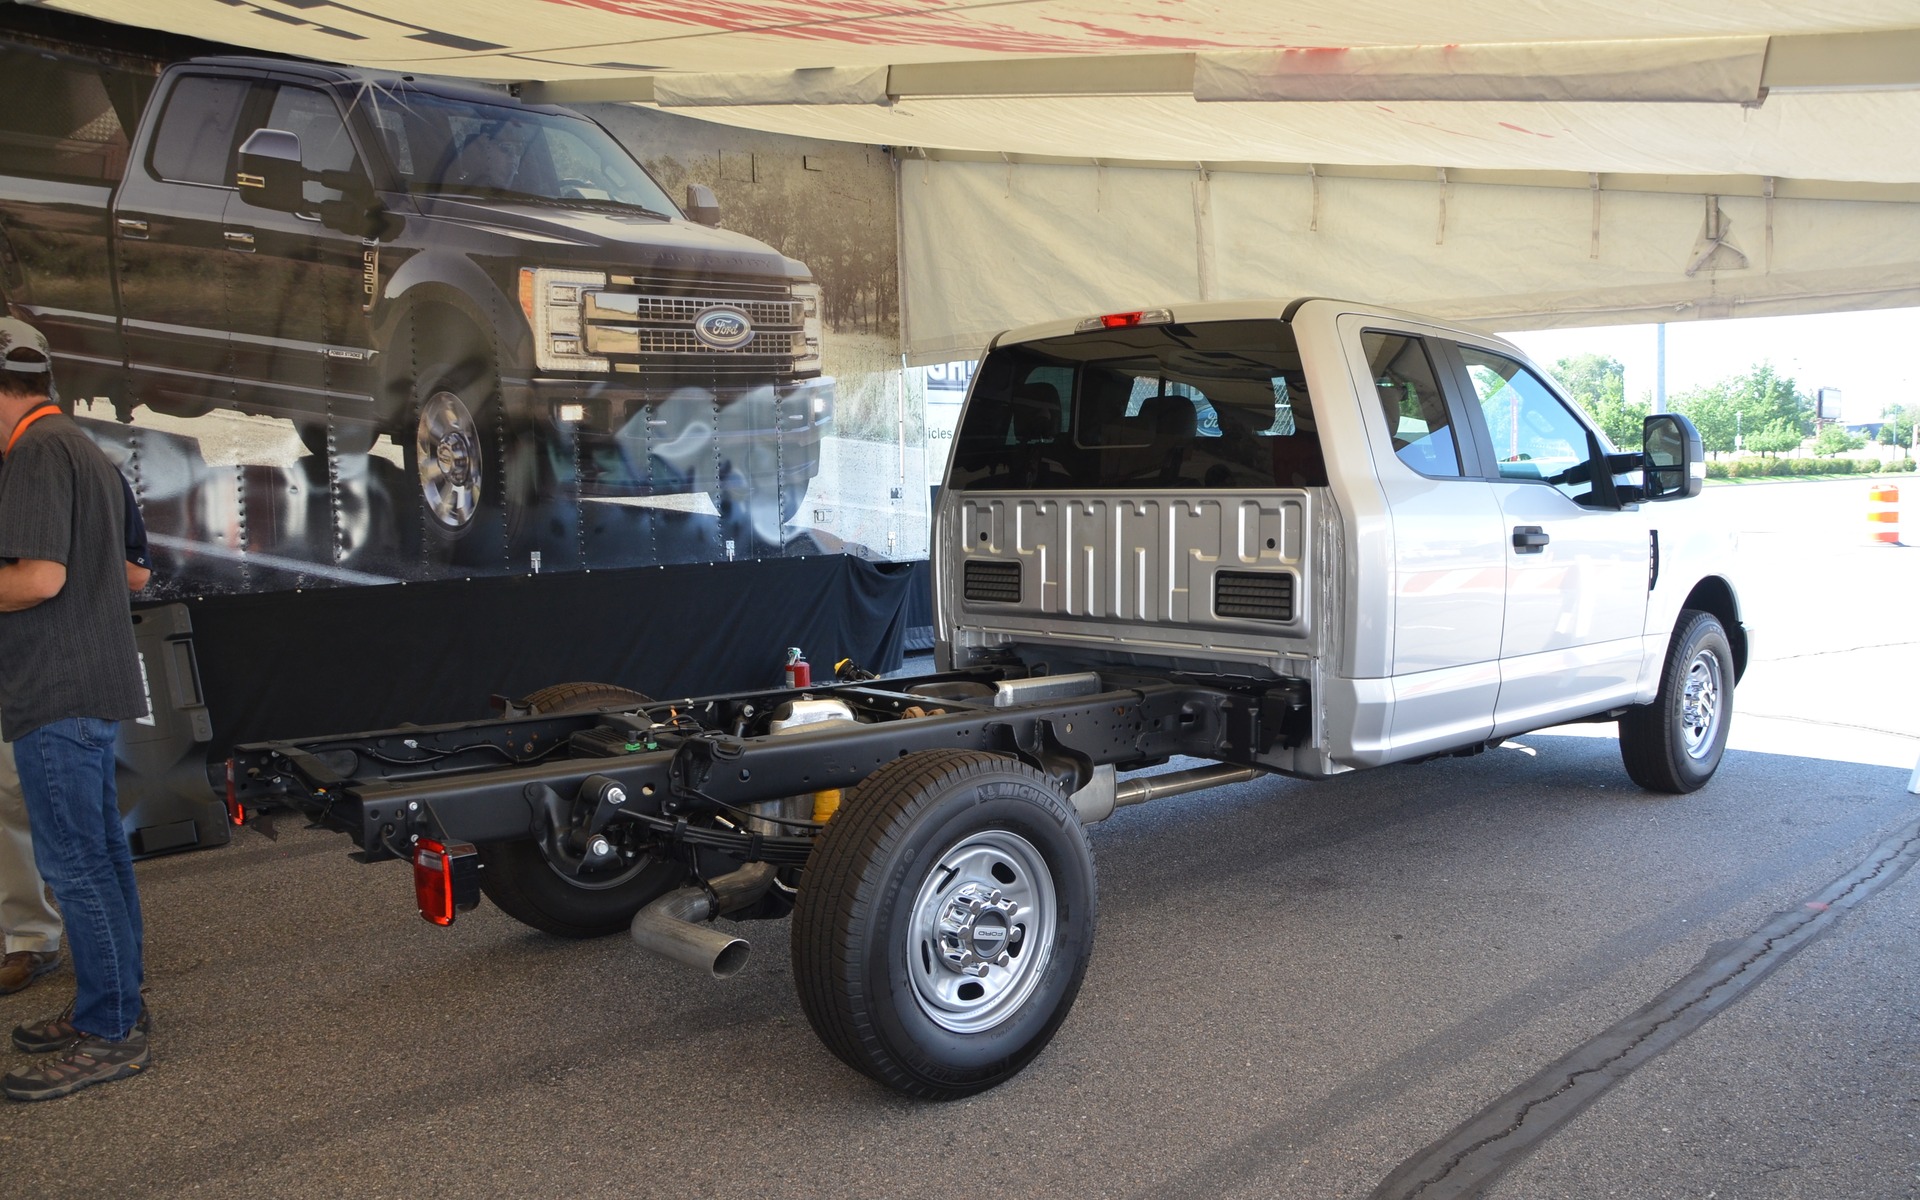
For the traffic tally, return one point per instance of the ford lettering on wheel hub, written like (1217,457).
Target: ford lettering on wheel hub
(723,328)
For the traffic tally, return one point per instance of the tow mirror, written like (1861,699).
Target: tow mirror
(270,174)
(1675,466)
(702,208)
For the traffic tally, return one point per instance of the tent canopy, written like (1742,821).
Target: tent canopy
(1505,161)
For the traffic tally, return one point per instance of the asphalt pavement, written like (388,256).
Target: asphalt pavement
(1298,989)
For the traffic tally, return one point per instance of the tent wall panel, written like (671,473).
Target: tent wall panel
(1038,242)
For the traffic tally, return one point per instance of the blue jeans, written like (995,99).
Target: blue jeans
(66,773)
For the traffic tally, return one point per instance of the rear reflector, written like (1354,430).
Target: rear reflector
(446,879)
(1149,316)
(236,812)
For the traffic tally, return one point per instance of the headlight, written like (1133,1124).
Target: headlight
(553,299)
(806,356)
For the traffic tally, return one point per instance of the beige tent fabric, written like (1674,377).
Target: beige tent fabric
(1701,70)
(1863,136)
(562,39)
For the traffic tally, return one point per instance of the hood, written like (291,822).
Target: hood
(631,241)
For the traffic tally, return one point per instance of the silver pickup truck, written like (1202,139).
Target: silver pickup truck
(1299,537)
(1408,520)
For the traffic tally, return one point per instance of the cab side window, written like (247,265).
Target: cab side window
(1535,436)
(1412,402)
(194,142)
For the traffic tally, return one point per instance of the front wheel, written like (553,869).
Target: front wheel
(1675,744)
(945,922)
(447,455)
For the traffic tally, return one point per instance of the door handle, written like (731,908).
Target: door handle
(236,240)
(130,228)
(1529,539)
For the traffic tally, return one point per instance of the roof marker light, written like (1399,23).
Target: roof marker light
(1125,320)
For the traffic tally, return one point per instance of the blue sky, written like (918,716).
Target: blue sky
(1872,357)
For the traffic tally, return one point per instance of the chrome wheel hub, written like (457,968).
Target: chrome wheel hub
(977,930)
(981,931)
(447,451)
(1700,705)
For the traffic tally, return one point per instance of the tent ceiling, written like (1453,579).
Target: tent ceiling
(1430,113)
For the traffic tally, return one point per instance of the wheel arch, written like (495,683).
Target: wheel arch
(1715,595)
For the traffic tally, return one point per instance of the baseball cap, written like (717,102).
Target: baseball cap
(16,335)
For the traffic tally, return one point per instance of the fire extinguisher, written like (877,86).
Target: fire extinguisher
(799,674)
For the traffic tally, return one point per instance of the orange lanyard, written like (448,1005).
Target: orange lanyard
(45,410)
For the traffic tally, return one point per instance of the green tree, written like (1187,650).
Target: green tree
(1834,439)
(1778,436)
(1764,396)
(1599,385)
(1750,404)
(1896,427)
(1712,411)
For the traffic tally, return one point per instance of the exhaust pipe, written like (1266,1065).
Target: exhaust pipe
(1143,788)
(1103,793)
(674,925)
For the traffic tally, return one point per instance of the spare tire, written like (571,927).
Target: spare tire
(559,699)
(521,883)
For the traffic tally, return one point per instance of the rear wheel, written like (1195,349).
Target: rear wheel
(517,877)
(945,922)
(1675,744)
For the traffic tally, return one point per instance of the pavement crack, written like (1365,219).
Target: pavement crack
(1486,1145)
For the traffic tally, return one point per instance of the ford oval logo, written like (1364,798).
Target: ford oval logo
(723,328)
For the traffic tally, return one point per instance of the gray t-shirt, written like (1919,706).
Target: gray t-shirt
(72,655)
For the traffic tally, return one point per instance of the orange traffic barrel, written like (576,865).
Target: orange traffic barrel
(1883,515)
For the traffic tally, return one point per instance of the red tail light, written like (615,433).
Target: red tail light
(1125,320)
(446,879)
(236,812)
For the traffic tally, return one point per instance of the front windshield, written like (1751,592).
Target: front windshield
(445,146)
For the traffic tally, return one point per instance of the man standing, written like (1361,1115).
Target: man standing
(68,675)
(30,925)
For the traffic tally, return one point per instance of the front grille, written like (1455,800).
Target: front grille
(628,339)
(703,285)
(993,581)
(681,310)
(1253,596)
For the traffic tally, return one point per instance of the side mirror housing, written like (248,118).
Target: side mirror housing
(1675,466)
(702,208)
(270,174)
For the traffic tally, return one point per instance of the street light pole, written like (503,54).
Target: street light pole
(1736,430)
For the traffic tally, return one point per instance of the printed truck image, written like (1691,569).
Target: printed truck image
(1297,538)
(499,287)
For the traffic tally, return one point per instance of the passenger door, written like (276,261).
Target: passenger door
(174,299)
(1449,571)
(1576,562)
